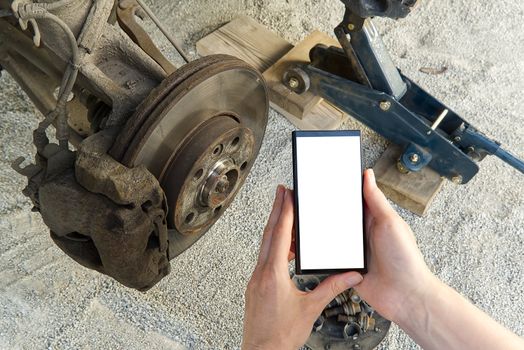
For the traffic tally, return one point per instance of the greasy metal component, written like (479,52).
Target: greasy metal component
(296,80)
(210,115)
(97,216)
(340,331)
(125,14)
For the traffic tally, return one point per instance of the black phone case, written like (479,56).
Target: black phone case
(322,133)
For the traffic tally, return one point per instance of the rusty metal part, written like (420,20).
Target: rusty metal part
(364,330)
(352,330)
(112,69)
(97,215)
(339,300)
(125,15)
(213,160)
(366,322)
(210,115)
(346,318)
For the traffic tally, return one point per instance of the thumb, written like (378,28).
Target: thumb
(333,286)
(375,199)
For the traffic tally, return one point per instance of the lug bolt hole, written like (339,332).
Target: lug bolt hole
(243,166)
(198,174)
(218,150)
(189,218)
(235,141)
(217,210)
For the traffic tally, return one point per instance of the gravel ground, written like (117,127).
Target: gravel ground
(472,237)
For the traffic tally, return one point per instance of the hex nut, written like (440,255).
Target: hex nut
(385,105)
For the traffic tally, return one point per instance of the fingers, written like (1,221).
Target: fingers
(375,200)
(333,286)
(282,232)
(271,222)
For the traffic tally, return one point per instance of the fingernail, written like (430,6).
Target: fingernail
(371,175)
(354,279)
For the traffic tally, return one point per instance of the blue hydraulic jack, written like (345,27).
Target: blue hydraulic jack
(361,79)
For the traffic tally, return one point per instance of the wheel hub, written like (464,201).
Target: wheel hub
(207,172)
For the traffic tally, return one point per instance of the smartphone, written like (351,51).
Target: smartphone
(329,215)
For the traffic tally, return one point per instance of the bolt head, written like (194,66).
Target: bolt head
(356,346)
(457,139)
(457,179)
(293,83)
(351,26)
(385,105)
(377,329)
(402,168)
(414,158)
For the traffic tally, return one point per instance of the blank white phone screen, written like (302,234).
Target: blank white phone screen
(329,189)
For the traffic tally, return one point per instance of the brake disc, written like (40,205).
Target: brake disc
(198,133)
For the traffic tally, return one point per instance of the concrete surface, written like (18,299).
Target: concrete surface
(472,238)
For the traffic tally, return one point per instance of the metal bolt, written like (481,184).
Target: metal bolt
(355,337)
(222,184)
(385,105)
(457,179)
(293,83)
(402,168)
(345,318)
(356,346)
(414,158)
(334,311)
(351,26)
(339,300)
(457,139)
(377,329)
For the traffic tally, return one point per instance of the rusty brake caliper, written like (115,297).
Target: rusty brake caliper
(106,216)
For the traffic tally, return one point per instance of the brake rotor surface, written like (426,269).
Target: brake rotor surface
(199,134)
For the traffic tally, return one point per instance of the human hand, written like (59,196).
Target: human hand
(277,314)
(397,272)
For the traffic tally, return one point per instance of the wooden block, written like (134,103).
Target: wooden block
(413,191)
(298,105)
(246,39)
(324,116)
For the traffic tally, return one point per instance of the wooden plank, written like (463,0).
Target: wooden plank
(413,191)
(297,105)
(246,39)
